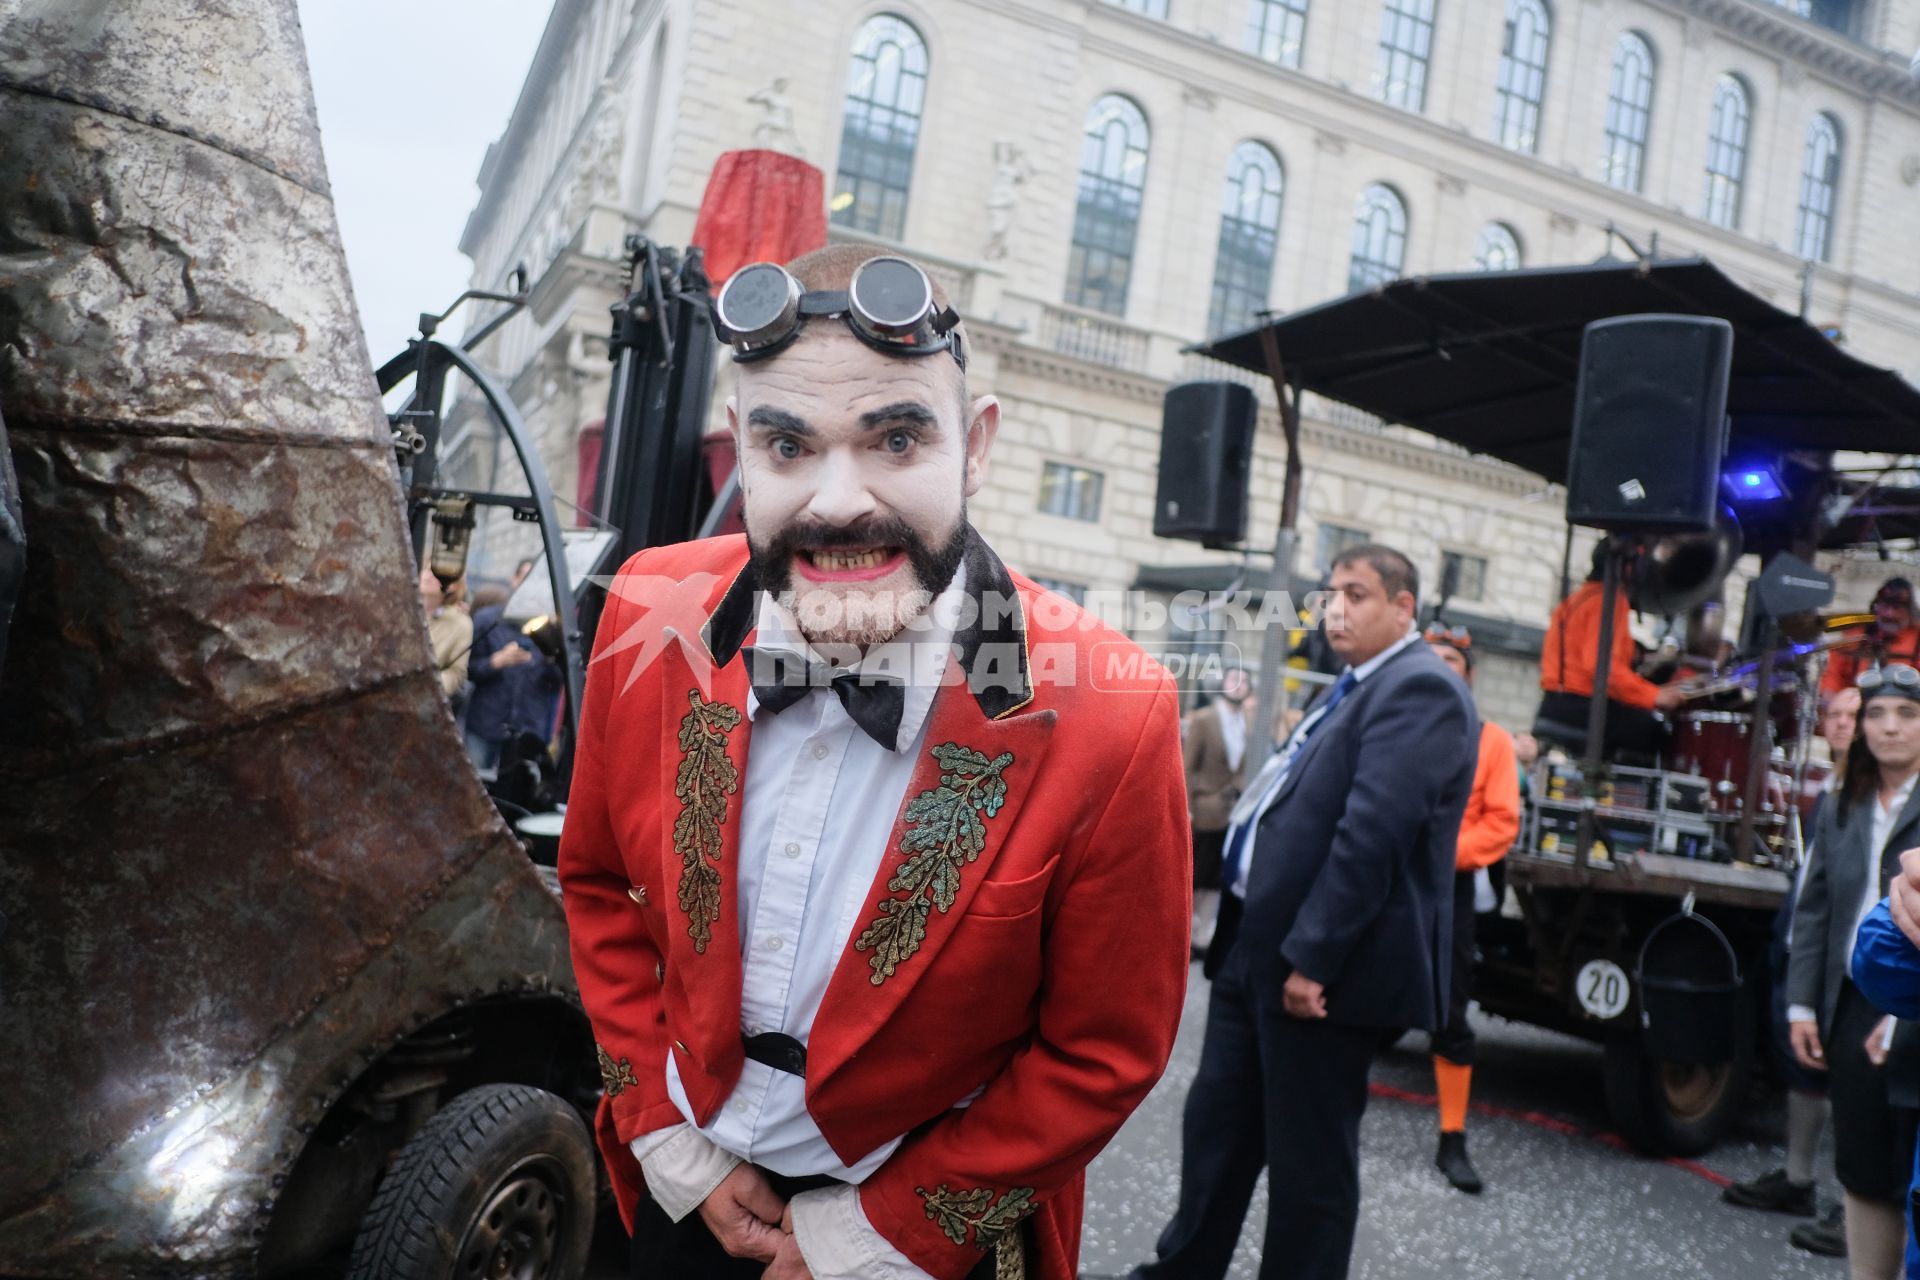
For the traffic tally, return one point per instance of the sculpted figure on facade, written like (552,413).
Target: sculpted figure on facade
(1011,171)
(775,132)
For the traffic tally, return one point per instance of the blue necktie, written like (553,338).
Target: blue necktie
(1242,835)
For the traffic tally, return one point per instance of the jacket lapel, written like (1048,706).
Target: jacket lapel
(983,748)
(1320,732)
(704,732)
(1899,839)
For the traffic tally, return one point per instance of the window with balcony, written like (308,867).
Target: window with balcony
(1819,186)
(1522,85)
(1379,238)
(1331,540)
(1277,30)
(1727,151)
(1497,249)
(1113,172)
(1406,46)
(1249,232)
(886,93)
(1070,491)
(1629,111)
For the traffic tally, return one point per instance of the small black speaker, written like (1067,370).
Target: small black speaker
(1206,454)
(1650,423)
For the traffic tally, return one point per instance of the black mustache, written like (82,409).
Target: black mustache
(868,533)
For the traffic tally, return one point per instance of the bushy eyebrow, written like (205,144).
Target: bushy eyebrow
(900,411)
(770,419)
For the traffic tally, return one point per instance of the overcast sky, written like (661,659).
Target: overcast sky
(410,93)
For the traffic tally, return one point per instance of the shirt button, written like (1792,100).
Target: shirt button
(774,943)
(819,751)
(753,1028)
(792,850)
(740,1105)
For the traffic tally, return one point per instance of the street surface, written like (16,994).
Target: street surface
(1558,1206)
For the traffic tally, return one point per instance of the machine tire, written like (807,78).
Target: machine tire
(1672,1109)
(500,1182)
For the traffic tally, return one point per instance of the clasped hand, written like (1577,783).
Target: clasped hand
(750,1220)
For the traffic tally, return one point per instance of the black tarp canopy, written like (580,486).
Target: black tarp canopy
(1489,360)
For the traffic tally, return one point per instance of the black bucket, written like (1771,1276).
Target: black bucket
(1689,981)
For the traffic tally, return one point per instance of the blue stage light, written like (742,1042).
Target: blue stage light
(1754,484)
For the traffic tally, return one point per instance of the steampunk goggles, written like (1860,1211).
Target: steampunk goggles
(1894,679)
(888,305)
(1457,637)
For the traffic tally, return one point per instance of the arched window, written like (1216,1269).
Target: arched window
(1727,151)
(1379,238)
(1249,231)
(1629,108)
(1819,184)
(1523,76)
(1277,30)
(1497,249)
(886,92)
(1113,171)
(1406,45)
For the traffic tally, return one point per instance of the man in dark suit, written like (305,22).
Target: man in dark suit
(1336,923)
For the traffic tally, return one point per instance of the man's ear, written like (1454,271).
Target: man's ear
(739,445)
(983,424)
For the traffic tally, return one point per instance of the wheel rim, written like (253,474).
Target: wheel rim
(1693,1091)
(517,1233)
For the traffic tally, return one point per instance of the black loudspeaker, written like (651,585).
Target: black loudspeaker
(1650,423)
(1206,454)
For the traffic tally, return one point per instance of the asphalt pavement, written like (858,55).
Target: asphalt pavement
(1562,1202)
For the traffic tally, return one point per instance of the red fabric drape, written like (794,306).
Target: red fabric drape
(760,206)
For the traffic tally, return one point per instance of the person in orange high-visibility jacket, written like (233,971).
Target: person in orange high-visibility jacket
(1567,668)
(1487,831)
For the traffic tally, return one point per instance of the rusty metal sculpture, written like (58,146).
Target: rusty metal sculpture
(242,855)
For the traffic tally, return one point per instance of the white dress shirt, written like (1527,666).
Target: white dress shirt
(1884,817)
(1259,797)
(817,807)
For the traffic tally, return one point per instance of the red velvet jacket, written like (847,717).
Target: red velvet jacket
(1027,930)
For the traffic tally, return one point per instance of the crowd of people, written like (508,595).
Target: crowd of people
(498,683)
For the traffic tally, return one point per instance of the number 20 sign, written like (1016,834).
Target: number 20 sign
(1603,989)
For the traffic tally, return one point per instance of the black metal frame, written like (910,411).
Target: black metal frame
(428,360)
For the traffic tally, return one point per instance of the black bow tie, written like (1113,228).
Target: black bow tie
(873,702)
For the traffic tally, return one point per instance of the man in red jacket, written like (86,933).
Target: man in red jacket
(876,863)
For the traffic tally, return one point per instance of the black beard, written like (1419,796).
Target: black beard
(933,567)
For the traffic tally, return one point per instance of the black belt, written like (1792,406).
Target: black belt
(781,1052)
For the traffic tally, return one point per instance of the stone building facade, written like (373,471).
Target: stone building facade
(1100,182)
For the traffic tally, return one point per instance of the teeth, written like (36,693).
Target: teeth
(841,561)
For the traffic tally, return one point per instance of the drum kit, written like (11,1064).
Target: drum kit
(1694,800)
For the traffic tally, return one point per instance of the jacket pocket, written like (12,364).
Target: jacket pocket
(1012,899)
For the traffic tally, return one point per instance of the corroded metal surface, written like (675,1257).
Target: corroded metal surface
(241,851)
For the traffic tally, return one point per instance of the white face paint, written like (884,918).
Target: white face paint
(839,443)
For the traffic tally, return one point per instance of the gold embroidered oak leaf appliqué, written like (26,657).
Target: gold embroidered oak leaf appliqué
(617,1076)
(707,776)
(957,1212)
(946,830)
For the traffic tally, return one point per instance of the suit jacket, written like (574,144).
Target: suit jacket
(1025,935)
(1829,905)
(1212,783)
(1352,875)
